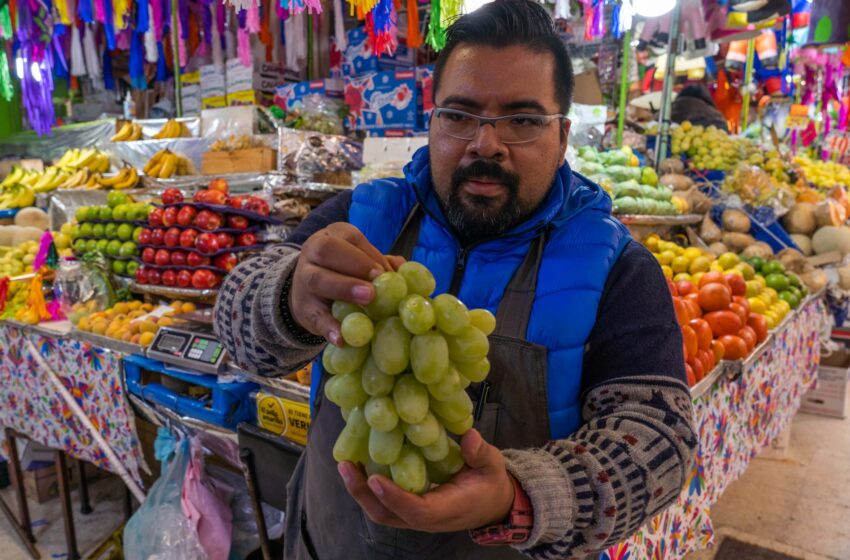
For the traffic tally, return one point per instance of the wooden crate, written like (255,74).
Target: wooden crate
(239,161)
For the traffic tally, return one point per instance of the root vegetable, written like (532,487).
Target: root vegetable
(718,248)
(793,260)
(814,280)
(801,218)
(757,249)
(673,166)
(699,203)
(844,277)
(737,242)
(708,231)
(735,221)
(678,182)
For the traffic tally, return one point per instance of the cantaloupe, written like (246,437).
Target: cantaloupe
(32,217)
(24,234)
(831,238)
(830,212)
(801,218)
(804,242)
(815,279)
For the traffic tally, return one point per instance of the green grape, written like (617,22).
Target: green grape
(346,390)
(452,462)
(417,314)
(347,359)
(429,357)
(459,428)
(411,399)
(424,433)
(380,414)
(391,346)
(357,329)
(373,468)
(464,382)
(468,346)
(419,279)
(390,289)
(476,371)
(385,447)
(483,320)
(448,386)
(327,360)
(455,408)
(435,475)
(342,309)
(439,449)
(451,314)
(375,382)
(409,470)
(353,438)
(345,412)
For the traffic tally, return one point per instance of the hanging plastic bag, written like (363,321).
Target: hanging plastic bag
(205,503)
(159,530)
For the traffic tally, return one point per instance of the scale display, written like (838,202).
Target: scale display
(186,349)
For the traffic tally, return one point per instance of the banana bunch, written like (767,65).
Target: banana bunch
(127,178)
(166,164)
(51,179)
(18,175)
(81,179)
(90,158)
(16,196)
(128,132)
(172,129)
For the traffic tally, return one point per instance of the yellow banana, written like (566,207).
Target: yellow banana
(115,179)
(137,131)
(132,178)
(169,166)
(25,198)
(104,163)
(153,162)
(124,133)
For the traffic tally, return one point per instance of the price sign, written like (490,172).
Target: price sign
(838,146)
(797,122)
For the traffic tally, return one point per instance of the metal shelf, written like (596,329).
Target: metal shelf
(640,220)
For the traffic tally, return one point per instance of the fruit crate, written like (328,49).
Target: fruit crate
(190,394)
(257,160)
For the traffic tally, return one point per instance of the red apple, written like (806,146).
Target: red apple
(149,255)
(169,278)
(155,217)
(172,237)
(142,275)
(172,196)
(238,222)
(236,201)
(178,258)
(204,279)
(195,260)
(163,257)
(216,197)
(225,240)
(246,239)
(169,216)
(184,278)
(200,196)
(186,216)
(219,185)
(145,236)
(208,220)
(187,238)
(226,261)
(154,276)
(256,204)
(207,243)
(158,236)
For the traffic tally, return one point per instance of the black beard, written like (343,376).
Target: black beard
(475,218)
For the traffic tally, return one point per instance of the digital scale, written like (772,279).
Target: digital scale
(194,350)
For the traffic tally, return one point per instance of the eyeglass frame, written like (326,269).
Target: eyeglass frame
(493,120)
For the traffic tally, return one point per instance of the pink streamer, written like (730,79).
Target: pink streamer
(253,22)
(244,46)
(122,41)
(43,250)
(184,57)
(100,10)
(158,24)
(55,310)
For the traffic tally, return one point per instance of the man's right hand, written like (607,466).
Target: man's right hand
(336,263)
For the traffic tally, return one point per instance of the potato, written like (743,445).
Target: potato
(792,260)
(678,182)
(757,249)
(708,231)
(801,218)
(844,277)
(815,280)
(673,166)
(735,221)
(718,249)
(737,242)
(699,203)
(804,242)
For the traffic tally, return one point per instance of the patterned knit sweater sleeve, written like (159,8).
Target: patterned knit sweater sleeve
(632,456)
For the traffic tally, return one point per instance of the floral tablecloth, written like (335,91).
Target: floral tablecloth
(737,418)
(29,402)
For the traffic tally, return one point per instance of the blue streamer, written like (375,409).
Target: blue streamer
(616,32)
(142,16)
(108,82)
(109,26)
(84,10)
(137,61)
(161,68)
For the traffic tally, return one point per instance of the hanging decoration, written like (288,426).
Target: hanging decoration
(90,51)
(7,89)
(414,35)
(34,35)
(381,26)
(443,14)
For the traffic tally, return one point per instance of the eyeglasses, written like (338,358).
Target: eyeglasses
(512,129)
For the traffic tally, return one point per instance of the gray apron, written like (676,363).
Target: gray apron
(323,520)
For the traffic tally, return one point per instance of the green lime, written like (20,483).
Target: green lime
(105,213)
(793,279)
(131,268)
(115,198)
(119,213)
(98,230)
(102,245)
(82,213)
(777,281)
(111,230)
(119,267)
(86,229)
(757,263)
(91,245)
(772,267)
(113,248)
(792,299)
(75,231)
(80,246)
(128,249)
(137,233)
(798,293)
(125,232)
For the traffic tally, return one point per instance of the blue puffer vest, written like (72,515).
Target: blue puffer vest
(584,243)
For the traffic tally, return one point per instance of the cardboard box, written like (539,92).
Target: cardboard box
(41,483)
(425,85)
(264,77)
(239,161)
(358,58)
(587,89)
(382,100)
(213,82)
(829,397)
(287,96)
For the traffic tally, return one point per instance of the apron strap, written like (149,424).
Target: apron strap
(515,308)
(406,241)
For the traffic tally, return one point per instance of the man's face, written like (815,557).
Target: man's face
(488,187)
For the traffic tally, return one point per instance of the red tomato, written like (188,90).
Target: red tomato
(694,308)
(689,337)
(743,302)
(718,350)
(739,310)
(737,284)
(759,325)
(684,287)
(672,286)
(723,323)
(682,313)
(706,358)
(736,348)
(703,331)
(749,336)
(699,371)
(714,297)
(713,278)
(690,373)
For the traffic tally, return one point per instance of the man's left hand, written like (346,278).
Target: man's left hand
(481,494)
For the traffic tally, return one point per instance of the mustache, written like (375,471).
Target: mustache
(485,169)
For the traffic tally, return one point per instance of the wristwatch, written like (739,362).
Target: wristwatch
(515,529)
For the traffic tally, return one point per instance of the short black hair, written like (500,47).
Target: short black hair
(697,91)
(506,23)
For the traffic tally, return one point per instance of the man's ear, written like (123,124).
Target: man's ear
(565,133)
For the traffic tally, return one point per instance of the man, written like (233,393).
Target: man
(694,104)
(587,430)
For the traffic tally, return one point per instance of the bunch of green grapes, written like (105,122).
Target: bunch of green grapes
(401,378)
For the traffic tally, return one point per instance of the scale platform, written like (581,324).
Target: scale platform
(192,349)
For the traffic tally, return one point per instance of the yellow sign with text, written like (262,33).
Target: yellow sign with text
(284,417)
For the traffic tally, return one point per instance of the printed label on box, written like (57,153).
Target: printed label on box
(215,102)
(288,96)
(358,57)
(425,83)
(382,100)
(284,417)
(190,78)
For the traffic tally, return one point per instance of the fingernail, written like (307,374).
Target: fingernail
(375,272)
(333,337)
(343,472)
(362,293)
(376,487)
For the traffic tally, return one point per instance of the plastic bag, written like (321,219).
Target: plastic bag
(205,503)
(159,530)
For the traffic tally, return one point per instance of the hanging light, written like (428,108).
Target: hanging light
(652,8)
(36,72)
(19,67)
